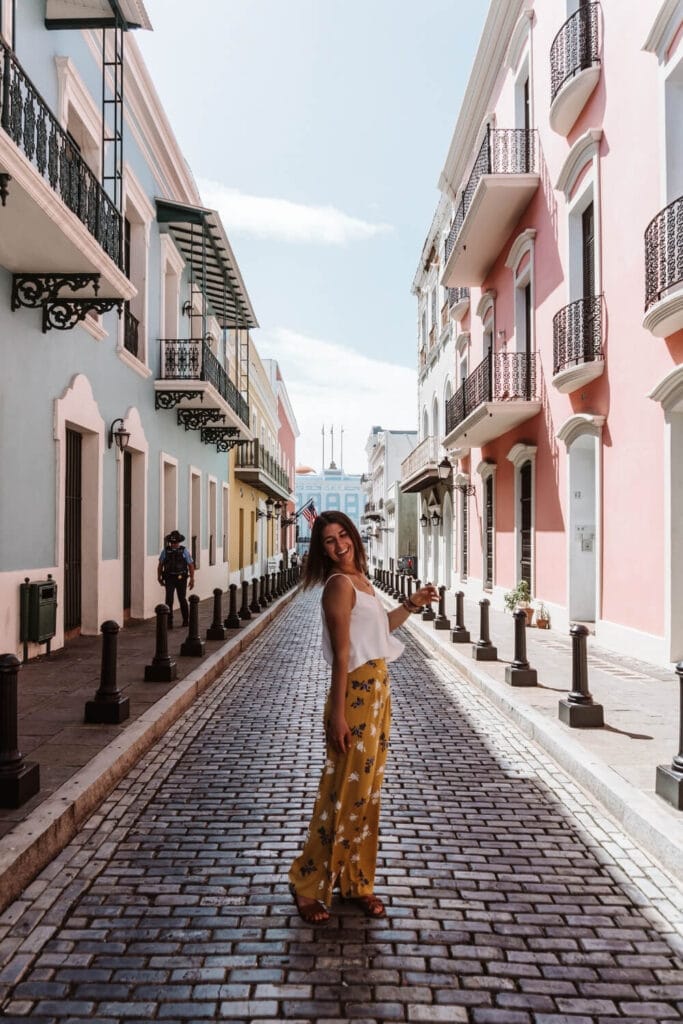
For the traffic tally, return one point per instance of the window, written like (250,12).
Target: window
(169,495)
(195,516)
(226,520)
(434,307)
(212,521)
(171,271)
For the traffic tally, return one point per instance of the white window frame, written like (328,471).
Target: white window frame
(518,455)
(487,470)
(172,266)
(579,179)
(167,460)
(194,528)
(140,213)
(523,274)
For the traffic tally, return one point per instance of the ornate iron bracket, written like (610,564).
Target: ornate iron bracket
(64,314)
(169,399)
(32,290)
(193,419)
(467,489)
(223,437)
(4,190)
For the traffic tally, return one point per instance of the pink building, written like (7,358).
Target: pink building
(288,431)
(565,425)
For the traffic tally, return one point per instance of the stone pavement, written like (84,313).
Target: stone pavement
(80,763)
(617,763)
(512,897)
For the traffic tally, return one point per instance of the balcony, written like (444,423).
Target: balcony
(500,394)
(192,379)
(372,511)
(256,466)
(420,469)
(574,66)
(57,217)
(664,271)
(458,302)
(577,344)
(503,180)
(131,330)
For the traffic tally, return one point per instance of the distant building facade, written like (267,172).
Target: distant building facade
(331,489)
(389,515)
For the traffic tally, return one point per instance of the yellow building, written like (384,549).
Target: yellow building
(259,483)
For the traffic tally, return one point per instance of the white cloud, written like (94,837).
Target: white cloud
(332,385)
(270,217)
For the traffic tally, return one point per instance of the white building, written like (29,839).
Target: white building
(390,516)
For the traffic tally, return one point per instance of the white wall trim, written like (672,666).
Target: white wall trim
(523,243)
(664,28)
(669,391)
(580,423)
(486,302)
(586,147)
(72,91)
(519,453)
(521,37)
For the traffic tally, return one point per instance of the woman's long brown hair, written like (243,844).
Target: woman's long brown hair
(319,565)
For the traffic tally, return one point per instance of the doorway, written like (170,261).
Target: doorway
(73,511)
(525,522)
(127,532)
(582,529)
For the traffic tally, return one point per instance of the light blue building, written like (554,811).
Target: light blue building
(124,325)
(331,489)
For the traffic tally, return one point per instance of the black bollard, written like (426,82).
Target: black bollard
(162,668)
(245,614)
(428,615)
(579,710)
(262,603)
(233,619)
(460,635)
(670,777)
(108,706)
(403,586)
(216,630)
(273,586)
(19,779)
(520,672)
(442,621)
(267,596)
(193,645)
(409,588)
(278,584)
(484,650)
(254,607)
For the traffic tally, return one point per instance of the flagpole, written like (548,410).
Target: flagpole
(323,433)
(341,451)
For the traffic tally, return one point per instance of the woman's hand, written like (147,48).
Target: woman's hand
(338,733)
(425,595)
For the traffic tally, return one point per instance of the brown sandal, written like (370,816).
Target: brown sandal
(311,913)
(371,905)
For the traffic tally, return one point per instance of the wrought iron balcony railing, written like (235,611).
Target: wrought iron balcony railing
(456,295)
(503,151)
(254,456)
(575,47)
(505,376)
(664,252)
(29,122)
(191,359)
(577,333)
(131,327)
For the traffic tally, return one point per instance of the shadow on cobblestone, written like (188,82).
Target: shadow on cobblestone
(512,899)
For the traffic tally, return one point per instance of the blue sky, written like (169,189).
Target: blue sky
(318,129)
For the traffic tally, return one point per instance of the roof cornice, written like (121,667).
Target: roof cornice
(488,64)
(662,31)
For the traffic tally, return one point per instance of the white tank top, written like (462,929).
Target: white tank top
(369,634)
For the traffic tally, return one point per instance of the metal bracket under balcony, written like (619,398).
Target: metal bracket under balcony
(577,344)
(194,419)
(225,438)
(500,187)
(65,314)
(664,271)
(574,66)
(32,290)
(498,395)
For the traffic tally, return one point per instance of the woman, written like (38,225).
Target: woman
(341,845)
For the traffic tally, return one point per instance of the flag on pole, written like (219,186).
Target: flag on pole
(310,513)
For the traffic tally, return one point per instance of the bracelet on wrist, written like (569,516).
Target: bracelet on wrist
(411,607)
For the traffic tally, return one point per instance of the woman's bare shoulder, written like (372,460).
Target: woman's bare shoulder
(338,588)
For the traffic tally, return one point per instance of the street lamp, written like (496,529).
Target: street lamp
(444,468)
(423,520)
(119,435)
(269,507)
(435,518)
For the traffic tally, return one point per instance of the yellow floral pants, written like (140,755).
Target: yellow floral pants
(341,843)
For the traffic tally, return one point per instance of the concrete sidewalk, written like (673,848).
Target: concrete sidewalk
(79,763)
(617,763)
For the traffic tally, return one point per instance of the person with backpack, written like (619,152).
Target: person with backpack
(174,568)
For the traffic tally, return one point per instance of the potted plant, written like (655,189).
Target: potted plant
(542,616)
(519,597)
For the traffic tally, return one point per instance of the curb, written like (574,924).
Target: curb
(34,842)
(657,830)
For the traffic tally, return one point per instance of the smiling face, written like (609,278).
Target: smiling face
(338,546)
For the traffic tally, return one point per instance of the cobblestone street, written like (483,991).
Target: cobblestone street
(512,898)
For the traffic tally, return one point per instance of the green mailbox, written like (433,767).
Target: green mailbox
(38,619)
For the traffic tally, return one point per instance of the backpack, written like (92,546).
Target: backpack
(174,563)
